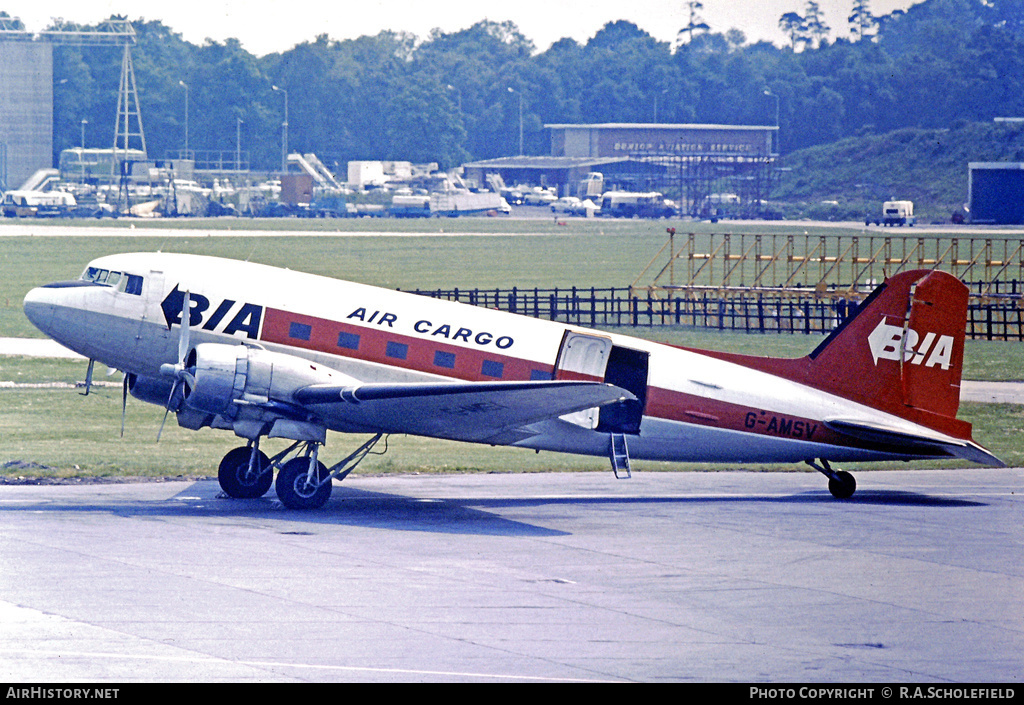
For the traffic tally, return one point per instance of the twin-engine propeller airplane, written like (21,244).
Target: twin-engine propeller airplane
(275,353)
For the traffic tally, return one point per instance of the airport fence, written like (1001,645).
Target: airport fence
(995,309)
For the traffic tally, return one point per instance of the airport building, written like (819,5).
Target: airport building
(705,167)
(996,192)
(26,109)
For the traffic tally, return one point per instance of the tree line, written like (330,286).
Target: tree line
(458,96)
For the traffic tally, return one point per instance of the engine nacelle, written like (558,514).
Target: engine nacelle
(154,390)
(158,390)
(229,378)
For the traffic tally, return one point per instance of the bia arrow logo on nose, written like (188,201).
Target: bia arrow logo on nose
(229,317)
(887,343)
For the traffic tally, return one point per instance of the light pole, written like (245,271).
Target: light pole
(81,158)
(656,103)
(520,94)
(238,144)
(768,93)
(284,132)
(185,86)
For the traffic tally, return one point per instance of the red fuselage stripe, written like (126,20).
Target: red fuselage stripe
(381,345)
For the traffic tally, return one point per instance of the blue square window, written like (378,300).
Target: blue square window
(300,331)
(444,359)
(399,351)
(490,368)
(539,375)
(349,341)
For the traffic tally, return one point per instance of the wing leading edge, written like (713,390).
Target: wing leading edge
(476,411)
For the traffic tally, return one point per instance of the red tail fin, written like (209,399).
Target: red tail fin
(902,351)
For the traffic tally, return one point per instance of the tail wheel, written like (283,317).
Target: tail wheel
(843,485)
(238,481)
(295,492)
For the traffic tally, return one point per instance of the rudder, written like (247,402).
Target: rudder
(902,351)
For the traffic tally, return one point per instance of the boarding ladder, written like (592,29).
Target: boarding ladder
(619,455)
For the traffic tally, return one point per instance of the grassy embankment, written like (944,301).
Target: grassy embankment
(848,179)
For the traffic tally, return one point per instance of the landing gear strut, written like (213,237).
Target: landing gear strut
(841,484)
(303,482)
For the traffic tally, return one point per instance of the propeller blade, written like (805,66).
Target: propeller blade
(124,401)
(160,432)
(167,410)
(178,371)
(186,320)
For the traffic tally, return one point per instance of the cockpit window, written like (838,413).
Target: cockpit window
(95,275)
(122,281)
(132,284)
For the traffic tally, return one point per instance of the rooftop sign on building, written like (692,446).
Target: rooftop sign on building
(666,139)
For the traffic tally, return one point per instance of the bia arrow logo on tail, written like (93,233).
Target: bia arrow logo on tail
(887,343)
(229,317)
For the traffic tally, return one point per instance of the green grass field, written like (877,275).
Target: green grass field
(406,254)
(59,433)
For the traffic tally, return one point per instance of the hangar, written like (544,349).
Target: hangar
(560,172)
(705,168)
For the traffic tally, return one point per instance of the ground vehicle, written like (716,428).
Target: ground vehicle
(894,213)
(410,206)
(22,204)
(539,197)
(566,204)
(625,204)
(454,203)
(592,186)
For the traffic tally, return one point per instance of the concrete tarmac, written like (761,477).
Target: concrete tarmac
(708,577)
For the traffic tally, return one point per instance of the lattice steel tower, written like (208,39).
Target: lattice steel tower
(128,123)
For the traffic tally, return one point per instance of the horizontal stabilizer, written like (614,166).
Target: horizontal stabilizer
(469,411)
(914,443)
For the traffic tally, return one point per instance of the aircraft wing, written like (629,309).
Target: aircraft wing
(472,411)
(926,444)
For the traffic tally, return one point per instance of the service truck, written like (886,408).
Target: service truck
(30,204)
(625,204)
(894,213)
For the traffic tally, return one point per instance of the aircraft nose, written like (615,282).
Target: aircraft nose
(42,302)
(39,307)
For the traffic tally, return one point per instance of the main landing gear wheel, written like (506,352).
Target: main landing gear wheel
(843,485)
(238,480)
(293,490)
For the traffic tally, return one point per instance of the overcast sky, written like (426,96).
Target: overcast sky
(266,26)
